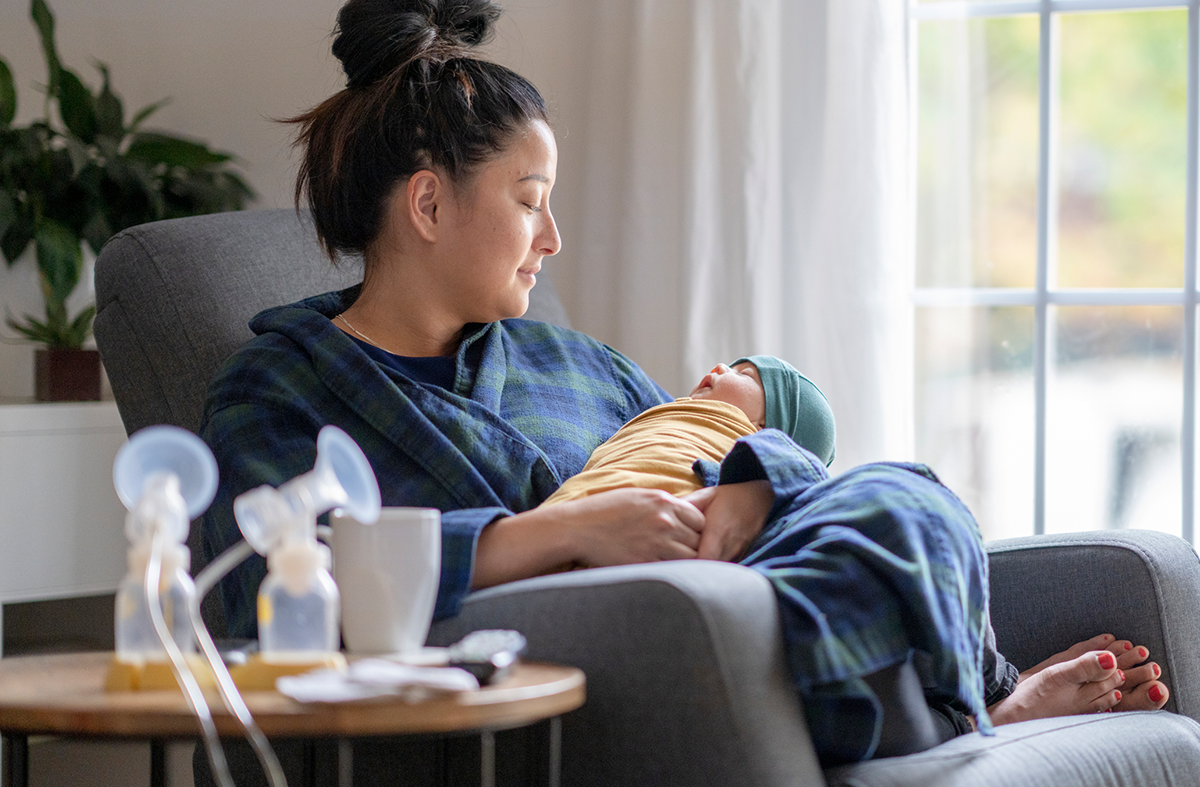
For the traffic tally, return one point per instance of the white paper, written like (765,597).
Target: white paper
(374,678)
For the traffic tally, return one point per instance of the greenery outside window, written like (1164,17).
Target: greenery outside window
(1055,163)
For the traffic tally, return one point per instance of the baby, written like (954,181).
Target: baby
(657,449)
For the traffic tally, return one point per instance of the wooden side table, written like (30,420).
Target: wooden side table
(63,695)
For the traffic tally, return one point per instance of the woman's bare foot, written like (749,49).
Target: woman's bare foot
(1142,689)
(1098,642)
(1084,684)
(1081,680)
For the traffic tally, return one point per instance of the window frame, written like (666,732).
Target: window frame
(1043,296)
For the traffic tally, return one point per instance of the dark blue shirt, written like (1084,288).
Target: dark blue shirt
(438,370)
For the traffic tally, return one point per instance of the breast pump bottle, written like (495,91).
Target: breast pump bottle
(162,508)
(164,476)
(299,611)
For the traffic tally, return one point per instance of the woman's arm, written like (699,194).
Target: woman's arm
(611,528)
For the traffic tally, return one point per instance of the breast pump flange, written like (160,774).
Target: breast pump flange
(165,477)
(299,608)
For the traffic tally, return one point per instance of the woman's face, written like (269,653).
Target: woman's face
(499,229)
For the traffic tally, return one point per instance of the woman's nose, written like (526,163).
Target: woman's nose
(549,242)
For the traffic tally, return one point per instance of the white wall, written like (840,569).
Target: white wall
(230,66)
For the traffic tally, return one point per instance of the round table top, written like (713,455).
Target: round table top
(64,694)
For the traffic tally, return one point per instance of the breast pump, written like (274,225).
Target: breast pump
(299,610)
(165,477)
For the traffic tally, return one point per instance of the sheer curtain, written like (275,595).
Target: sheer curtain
(745,191)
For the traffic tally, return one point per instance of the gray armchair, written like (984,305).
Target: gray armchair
(686,679)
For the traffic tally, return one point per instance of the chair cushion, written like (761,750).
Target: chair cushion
(1128,749)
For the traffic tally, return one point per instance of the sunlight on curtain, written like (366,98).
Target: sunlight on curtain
(745,193)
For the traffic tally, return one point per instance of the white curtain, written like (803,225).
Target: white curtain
(745,192)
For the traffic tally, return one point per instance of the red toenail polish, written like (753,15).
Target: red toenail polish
(1128,646)
(1157,670)
(1121,675)
(1155,693)
(1117,694)
(1107,660)
(1143,653)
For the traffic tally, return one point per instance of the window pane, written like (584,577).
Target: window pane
(1113,404)
(977,152)
(975,410)
(1123,163)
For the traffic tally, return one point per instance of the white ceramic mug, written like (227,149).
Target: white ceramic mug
(388,574)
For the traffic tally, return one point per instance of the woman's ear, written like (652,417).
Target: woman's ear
(425,194)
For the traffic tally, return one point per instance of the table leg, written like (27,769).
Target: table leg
(16,760)
(556,752)
(345,763)
(487,759)
(158,764)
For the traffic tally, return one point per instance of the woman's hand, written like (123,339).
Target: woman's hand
(607,529)
(635,526)
(734,514)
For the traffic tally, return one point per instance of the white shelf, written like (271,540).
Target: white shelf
(61,524)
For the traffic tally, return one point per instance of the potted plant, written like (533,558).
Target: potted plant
(78,175)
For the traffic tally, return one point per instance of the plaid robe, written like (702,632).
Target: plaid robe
(530,403)
(867,566)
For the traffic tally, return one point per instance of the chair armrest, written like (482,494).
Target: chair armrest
(1048,592)
(686,681)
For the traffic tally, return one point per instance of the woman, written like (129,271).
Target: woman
(437,167)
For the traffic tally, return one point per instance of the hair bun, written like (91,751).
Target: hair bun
(375,37)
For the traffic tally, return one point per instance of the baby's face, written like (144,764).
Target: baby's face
(739,386)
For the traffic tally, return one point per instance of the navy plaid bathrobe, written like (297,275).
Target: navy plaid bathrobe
(867,566)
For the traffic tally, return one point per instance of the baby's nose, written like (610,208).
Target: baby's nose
(720,369)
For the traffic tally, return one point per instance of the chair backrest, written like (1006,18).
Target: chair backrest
(173,299)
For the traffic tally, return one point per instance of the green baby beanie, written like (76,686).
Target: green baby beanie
(795,405)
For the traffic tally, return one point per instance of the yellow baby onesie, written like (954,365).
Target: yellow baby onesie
(657,448)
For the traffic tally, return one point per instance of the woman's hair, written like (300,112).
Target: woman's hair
(416,98)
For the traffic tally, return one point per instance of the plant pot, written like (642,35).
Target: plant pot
(62,375)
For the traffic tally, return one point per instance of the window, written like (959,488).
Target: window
(1055,188)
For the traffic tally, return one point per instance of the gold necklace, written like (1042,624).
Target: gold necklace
(362,335)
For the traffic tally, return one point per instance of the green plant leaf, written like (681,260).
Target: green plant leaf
(32,329)
(78,152)
(155,148)
(133,194)
(146,112)
(97,231)
(77,106)
(44,20)
(108,147)
(8,95)
(60,262)
(81,327)
(14,242)
(56,314)
(8,213)
(110,115)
